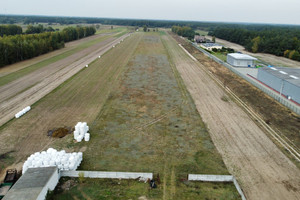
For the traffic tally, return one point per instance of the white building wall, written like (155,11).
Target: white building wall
(49,186)
(239,62)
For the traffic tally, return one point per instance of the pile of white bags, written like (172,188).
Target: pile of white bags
(52,157)
(22,112)
(81,131)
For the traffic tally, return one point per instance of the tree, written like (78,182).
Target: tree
(255,45)
(213,39)
(97,26)
(145,28)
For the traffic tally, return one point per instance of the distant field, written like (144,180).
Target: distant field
(201,32)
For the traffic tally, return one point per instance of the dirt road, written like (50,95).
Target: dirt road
(28,89)
(263,171)
(268,58)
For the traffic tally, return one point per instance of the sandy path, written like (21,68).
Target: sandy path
(268,58)
(263,171)
(25,91)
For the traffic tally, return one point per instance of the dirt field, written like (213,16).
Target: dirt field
(26,90)
(268,58)
(78,99)
(263,171)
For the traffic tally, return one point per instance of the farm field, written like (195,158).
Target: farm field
(24,87)
(49,57)
(64,106)
(263,171)
(141,118)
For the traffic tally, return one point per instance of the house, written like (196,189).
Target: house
(199,39)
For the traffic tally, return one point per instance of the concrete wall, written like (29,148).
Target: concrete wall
(217,178)
(113,175)
(210,178)
(49,186)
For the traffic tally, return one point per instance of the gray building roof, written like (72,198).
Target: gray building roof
(31,183)
(240,56)
(291,75)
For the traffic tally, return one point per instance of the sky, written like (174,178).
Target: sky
(250,11)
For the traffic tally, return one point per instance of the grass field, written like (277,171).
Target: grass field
(220,55)
(141,118)
(150,124)
(201,32)
(131,189)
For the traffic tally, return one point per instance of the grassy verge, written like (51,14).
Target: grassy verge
(132,189)
(219,55)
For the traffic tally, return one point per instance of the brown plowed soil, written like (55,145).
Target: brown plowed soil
(262,170)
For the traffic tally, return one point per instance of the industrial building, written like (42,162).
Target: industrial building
(211,46)
(285,81)
(34,184)
(240,60)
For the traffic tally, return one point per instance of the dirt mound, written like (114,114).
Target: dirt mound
(59,132)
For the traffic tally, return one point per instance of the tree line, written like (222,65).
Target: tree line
(184,31)
(276,40)
(14,48)
(10,30)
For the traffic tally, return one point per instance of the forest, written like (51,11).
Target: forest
(276,40)
(184,31)
(18,47)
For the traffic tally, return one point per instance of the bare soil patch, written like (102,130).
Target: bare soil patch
(263,171)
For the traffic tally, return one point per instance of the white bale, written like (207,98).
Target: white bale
(86,65)
(87,137)
(99,56)
(52,163)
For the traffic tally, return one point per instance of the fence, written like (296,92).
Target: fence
(291,105)
(103,174)
(217,178)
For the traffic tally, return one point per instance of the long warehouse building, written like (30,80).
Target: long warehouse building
(285,81)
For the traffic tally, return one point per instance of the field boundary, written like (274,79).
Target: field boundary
(290,104)
(104,174)
(294,151)
(217,178)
